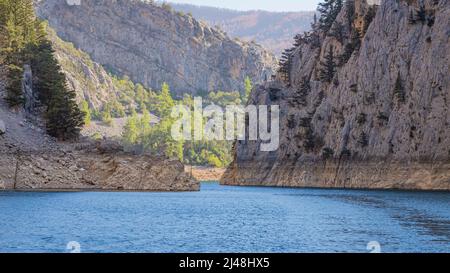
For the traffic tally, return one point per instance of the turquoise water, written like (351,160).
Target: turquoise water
(226,219)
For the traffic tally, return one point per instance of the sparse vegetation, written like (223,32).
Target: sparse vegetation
(328,10)
(363,139)
(328,67)
(285,64)
(300,96)
(327,153)
(361,118)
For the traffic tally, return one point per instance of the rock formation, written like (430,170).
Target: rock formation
(153,45)
(75,170)
(380,121)
(90,80)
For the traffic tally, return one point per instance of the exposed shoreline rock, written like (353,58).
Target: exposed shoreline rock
(379,174)
(85,171)
(205,173)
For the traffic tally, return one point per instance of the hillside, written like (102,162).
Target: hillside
(273,30)
(89,79)
(40,121)
(364,105)
(32,160)
(152,45)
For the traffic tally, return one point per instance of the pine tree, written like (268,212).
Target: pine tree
(299,97)
(130,131)
(14,95)
(350,8)
(328,67)
(166,102)
(63,118)
(248,88)
(26,43)
(329,10)
(421,14)
(285,65)
(87,113)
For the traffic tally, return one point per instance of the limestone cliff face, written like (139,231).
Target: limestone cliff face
(87,78)
(153,45)
(383,119)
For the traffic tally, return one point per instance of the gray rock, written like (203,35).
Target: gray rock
(2,127)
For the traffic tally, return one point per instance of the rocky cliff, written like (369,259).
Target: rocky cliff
(90,80)
(153,45)
(380,121)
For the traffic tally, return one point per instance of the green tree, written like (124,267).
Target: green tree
(131,132)
(25,42)
(166,102)
(64,118)
(106,117)
(87,112)
(328,67)
(248,88)
(14,95)
(328,10)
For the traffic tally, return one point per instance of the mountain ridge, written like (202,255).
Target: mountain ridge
(273,30)
(117,34)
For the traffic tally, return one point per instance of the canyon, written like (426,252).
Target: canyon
(152,45)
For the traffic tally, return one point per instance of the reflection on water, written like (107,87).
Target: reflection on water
(226,219)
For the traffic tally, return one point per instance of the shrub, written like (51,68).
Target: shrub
(327,153)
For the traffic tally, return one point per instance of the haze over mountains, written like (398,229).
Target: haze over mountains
(273,30)
(152,44)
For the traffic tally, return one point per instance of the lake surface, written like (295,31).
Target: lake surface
(226,219)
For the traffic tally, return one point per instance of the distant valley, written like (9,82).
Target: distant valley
(273,30)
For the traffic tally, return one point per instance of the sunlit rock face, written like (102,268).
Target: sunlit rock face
(153,45)
(382,122)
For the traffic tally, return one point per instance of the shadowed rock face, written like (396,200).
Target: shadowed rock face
(357,131)
(153,45)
